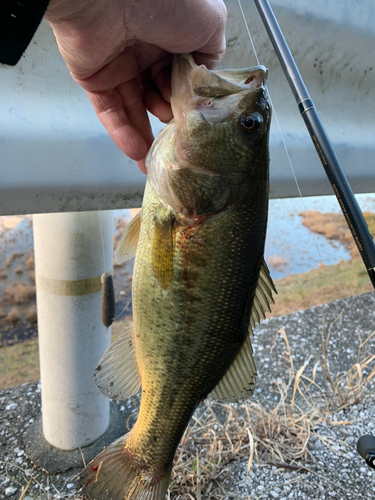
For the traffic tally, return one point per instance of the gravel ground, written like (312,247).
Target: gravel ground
(336,471)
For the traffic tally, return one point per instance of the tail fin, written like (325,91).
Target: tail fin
(115,475)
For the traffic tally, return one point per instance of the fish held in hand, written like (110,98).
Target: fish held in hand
(199,283)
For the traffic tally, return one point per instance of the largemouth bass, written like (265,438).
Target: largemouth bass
(200,282)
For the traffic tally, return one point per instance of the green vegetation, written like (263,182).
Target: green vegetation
(320,286)
(327,283)
(19,363)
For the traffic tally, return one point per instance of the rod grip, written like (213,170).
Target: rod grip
(366,448)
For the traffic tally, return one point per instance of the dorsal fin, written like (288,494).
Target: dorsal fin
(263,296)
(239,381)
(117,374)
(129,240)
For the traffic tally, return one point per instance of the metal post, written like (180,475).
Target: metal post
(69,262)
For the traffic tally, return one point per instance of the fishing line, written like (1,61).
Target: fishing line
(99,212)
(279,128)
(248,31)
(123,310)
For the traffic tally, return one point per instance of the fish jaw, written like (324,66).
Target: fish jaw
(195,86)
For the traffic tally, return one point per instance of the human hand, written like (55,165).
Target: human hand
(120,52)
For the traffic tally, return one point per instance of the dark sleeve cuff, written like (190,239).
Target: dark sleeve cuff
(19,19)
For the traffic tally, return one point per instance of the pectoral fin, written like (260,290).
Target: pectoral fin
(162,252)
(117,374)
(129,240)
(239,381)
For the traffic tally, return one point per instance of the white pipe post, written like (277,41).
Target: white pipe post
(72,251)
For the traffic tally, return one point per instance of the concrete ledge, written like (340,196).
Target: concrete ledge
(54,461)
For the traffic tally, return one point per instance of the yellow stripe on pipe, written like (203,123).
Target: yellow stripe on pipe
(69,288)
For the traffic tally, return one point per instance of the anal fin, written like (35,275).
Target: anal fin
(117,374)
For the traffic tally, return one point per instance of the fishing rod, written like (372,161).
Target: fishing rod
(348,203)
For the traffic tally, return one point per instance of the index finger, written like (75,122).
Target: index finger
(123,114)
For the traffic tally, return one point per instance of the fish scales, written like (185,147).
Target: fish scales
(199,274)
(182,360)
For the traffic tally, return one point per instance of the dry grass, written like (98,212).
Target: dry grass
(278,436)
(15,255)
(19,293)
(220,435)
(31,315)
(320,286)
(350,386)
(335,228)
(29,264)
(12,470)
(19,363)
(13,317)
(327,283)
(227,433)
(278,262)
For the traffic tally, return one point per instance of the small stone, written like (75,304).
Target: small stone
(10,491)
(122,408)
(28,498)
(20,453)
(70,486)
(11,406)
(274,494)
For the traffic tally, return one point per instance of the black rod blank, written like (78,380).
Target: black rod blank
(348,203)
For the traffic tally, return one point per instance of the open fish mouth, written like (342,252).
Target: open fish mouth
(192,83)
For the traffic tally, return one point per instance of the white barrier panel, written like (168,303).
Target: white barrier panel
(56,156)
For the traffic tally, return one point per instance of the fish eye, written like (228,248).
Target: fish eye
(251,123)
